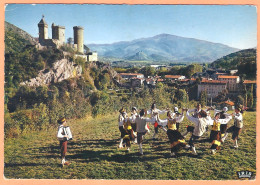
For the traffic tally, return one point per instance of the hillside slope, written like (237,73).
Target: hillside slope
(244,61)
(16,39)
(169,47)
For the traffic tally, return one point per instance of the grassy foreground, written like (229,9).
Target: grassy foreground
(93,154)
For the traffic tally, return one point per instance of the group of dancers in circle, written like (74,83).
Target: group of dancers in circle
(134,127)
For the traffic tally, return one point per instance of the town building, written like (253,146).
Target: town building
(174,77)
(232,82)
(136,82)
(131,75)
(212,87)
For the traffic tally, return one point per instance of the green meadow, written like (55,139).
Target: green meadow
(93,154)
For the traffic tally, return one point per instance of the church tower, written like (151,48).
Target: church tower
(43,30)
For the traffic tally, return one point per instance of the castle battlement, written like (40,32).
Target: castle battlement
(58,38)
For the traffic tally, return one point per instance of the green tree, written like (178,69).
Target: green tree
(147,71)
(239,101)
(250,98)
(203,98)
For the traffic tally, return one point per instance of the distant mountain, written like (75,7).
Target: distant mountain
(16,38)
(139,56)
(164,47)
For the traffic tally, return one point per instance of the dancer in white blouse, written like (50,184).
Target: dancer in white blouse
(236,128)
(121,118)
(154,114)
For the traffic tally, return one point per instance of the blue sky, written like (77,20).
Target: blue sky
(233,25)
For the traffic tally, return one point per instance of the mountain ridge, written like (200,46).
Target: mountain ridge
(170,47)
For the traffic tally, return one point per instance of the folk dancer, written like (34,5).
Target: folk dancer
(236,128)
(198,130)
(176,139)
(128,133)
(177,114)
(121,118)
(133,123)
(62,137)
(223,115)
(141,128)
(195,114)
(215,135)
(154,114)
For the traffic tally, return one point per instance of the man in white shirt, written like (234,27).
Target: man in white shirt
(200,127)
(141,128)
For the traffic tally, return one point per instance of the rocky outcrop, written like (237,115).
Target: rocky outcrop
(61,70)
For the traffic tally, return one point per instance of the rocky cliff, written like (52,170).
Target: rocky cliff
(62,69)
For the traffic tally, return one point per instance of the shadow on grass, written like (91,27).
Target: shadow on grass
(21,165)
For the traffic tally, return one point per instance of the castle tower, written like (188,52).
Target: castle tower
(78,38)
(58,32)
(43,30)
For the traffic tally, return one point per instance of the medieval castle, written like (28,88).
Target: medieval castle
(58,39)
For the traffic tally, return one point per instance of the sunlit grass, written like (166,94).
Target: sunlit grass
(93,154)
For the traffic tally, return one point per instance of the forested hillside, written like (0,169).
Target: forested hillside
(16,39)
(244,61)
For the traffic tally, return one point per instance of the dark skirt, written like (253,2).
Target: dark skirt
(174,135)
(176,140)
(214,135)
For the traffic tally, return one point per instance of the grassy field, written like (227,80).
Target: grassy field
(93,154)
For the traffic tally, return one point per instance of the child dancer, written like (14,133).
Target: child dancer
(62,137)
(236,128)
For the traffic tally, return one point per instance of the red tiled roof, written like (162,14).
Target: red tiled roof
(184,80)
(213,81)
(229,103)
(225,76)
(249,82)
(173,76)
(160,80)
